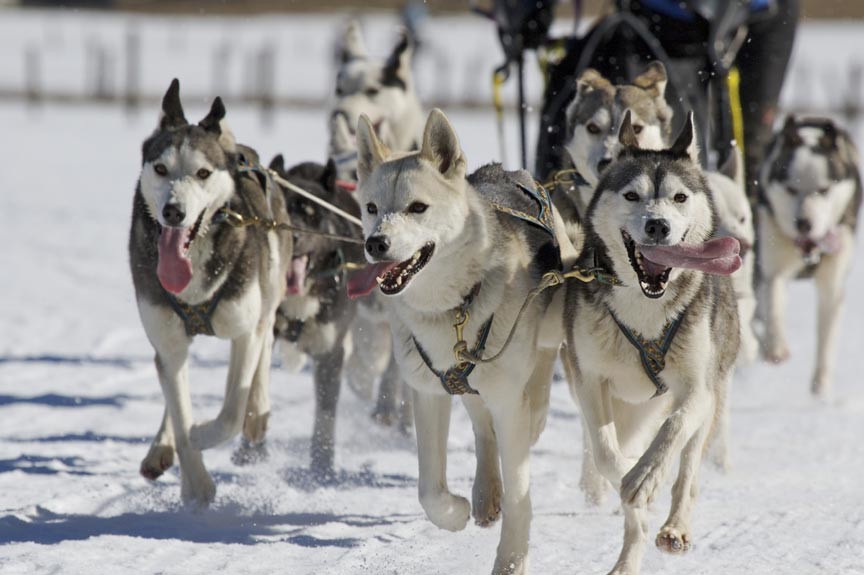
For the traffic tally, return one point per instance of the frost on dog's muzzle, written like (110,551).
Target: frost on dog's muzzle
(390,277)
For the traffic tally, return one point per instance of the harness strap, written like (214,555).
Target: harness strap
(652,352)
(455,379)
(197,319)
(544,219)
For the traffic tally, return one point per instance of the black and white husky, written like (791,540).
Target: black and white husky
(316,314)
(807,220)
(440,249)
(651,347)
(195,274)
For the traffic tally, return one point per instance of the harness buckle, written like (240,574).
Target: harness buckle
(462,317)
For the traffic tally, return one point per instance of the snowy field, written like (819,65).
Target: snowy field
(79,402)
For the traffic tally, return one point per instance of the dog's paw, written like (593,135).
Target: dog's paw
(158,460)
(777,352)
(673,540)
(624,569)
(248,453)
(486,503)
(640,484)
(198,492)
(820,387)
(509,566)
(447,511)
(386,417)
(255,428)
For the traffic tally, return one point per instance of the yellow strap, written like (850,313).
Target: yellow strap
(733,83)
(498,79)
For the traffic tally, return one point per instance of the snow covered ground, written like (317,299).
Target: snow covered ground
(79,402)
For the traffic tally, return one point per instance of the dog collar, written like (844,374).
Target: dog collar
(652,352)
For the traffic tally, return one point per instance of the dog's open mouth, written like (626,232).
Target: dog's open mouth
(652,277)
(653,264)
(296,279)
(390,277)
(175,268)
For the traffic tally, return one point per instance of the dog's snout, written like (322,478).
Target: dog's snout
(377,246)
(603,164)
(657,229)
(173,214)
(804,226)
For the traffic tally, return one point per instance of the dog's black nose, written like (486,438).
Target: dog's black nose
(804,226)
(377,246)
(173,215)
(603,164)
(657,229)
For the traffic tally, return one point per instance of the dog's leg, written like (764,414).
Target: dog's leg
(830,277)
(486,494)
(173,368)
(406,412)
(328,379)
(538,389)
(161,455)
(245,357)
(674,536)
(388,395)
(253,448)
(692,411)
(432,424)
(776,349)
(372,350)
(512,419)
(635,536)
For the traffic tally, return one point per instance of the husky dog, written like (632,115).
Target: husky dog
(593,119)
(195,274)
(440,249)
(651,348)
(807,220)
(382,91)
(316,313)
(735,219)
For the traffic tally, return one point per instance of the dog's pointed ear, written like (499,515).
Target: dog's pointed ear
(686,145)
(733,167)
(626,134)
(212,122)
(654,79)
(371,153)
(828,140)
(328,176)
(353,46)
(397,70)
(277,164)
(590,80)
(172,115)
(441,146)
(789,134)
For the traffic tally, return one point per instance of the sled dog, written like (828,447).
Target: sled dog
(807,219)
(652,342)
(445,250)
(195,274)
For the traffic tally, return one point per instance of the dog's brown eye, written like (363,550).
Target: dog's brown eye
(160,169)
(203,173)
(417,208)
(592,128)
(680,198)
(631,197)
(371,208)
(371,92)
(637,129)
(823,191)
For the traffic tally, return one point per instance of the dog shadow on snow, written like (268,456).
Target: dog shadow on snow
(212,526)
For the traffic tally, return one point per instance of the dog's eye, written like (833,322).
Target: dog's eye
(371,92)
(823,191)
(417,208)
(637,129)
(680,198)
(339,92)
(792,191)
(203,173)
(160,169)
(371,208)
(593,128)
(631,197)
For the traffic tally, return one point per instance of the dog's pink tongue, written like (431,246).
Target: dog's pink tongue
(174,268)
(297,275)
(718,256)
(362,282)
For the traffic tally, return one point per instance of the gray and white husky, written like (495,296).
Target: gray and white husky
(384,91)
(195,274)
(593,120)
(651,348)
(438,248)
(807,220)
